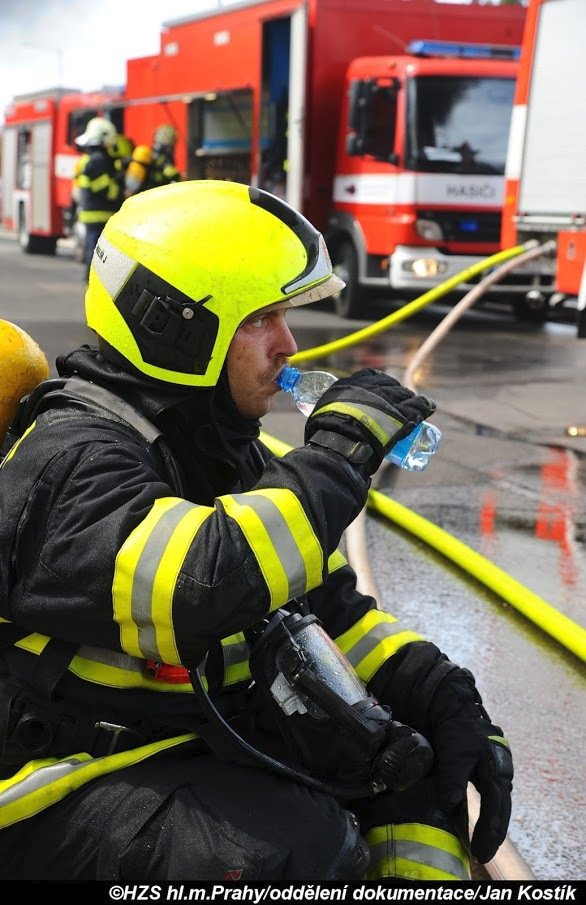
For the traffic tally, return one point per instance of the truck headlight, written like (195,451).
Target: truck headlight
(429,229)
(425,267)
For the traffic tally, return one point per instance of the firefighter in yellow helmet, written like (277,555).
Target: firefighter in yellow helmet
(150,167)
(149,540)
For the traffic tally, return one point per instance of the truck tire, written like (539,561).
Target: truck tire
(348,302)
(34,245)
(531,312)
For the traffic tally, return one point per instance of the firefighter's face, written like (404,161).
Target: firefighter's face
(257,353)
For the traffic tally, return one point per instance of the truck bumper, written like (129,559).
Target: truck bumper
(415,269)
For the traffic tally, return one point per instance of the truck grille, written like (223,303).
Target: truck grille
(458,226)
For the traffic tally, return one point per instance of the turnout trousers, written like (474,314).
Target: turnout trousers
(195,818)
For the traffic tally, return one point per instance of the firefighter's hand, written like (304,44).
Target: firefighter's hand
(468,747)
(363,416)
(440,699)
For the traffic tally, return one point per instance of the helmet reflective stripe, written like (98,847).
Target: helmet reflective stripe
(320,270)
(225,250)
(118,269)
(414,851)
(370,642)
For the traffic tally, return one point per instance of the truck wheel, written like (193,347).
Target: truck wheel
(34,245)
(345,262)
(531,311)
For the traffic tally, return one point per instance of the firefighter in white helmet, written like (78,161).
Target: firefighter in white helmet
(98,184)
(146,529)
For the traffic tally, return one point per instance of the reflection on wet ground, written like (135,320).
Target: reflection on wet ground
(523,508)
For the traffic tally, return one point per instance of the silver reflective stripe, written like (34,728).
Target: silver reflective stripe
(369,641)
(145,572)
(235,653)
(420,853)
(41,778)
(115,659)
(112,266)
(281,537)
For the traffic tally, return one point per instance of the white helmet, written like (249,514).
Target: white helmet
(165,137)
(98,132)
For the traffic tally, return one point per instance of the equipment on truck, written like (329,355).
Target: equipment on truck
(545,196)
(396,153)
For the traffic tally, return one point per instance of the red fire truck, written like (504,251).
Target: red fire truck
(38,160)
(546,172)
(397,153)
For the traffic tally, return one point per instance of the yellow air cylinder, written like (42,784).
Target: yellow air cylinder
(137,169)
(22,366)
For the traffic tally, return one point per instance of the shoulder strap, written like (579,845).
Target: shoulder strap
(111,404)
(55,658)
(103,403)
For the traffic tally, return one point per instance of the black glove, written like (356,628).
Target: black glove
(468,746)
(441,700)
(364,415)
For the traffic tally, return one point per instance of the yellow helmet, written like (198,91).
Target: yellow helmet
(123,146)
(178,268)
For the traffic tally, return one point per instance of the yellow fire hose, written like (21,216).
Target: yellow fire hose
(568,633)
(464,276)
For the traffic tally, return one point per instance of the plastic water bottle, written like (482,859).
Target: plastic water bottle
(413,452)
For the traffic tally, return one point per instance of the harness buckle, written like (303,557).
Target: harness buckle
(117,734)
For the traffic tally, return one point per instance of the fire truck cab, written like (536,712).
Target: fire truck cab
(39,157)
(418,186)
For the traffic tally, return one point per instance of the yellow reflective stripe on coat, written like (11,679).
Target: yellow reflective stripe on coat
(112,669)
(235,649)
(381,426)
(104,181)
(118,670)
(335,561)
(282,539)
(94,216)
(17,444)
(370,642)
(42,783)
(145,575)
(414,851)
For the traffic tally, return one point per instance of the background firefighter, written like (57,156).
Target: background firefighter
(98,183)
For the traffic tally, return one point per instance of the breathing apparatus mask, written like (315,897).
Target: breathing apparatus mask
(340,733)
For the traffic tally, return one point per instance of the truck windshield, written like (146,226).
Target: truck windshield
(458,125)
